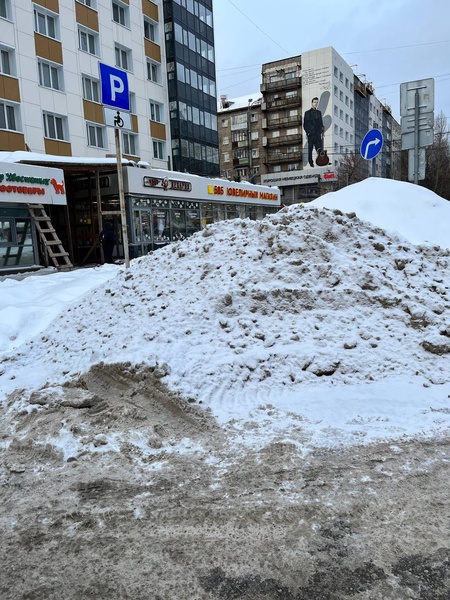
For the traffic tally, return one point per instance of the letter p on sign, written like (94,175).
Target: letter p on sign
(114,85)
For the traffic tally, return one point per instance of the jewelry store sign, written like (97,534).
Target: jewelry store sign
(26,184)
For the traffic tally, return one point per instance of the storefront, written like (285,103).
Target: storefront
(166,206)
(21,185)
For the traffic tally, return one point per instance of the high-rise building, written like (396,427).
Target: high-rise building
(349,108)
(192,85)
(50,96)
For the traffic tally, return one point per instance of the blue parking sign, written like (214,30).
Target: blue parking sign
(114,85)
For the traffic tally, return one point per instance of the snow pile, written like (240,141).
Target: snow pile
(303,295)
(418,214)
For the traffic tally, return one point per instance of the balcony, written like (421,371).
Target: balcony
(240,162)
(283,121)
(282,140)
(277,103)
(281,84)
(274,157)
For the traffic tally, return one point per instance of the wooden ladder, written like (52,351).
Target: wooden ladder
(52,244)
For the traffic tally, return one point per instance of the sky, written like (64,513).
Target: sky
(325,325)
(389,41)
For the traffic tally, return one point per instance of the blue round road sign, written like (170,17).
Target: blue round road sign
(371,144)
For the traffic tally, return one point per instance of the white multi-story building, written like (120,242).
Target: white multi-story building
(50,97)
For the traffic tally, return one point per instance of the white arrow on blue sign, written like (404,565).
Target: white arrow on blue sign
(371,144)
(114,85)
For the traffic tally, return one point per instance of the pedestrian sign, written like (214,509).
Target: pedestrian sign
(371,144)
(114,85)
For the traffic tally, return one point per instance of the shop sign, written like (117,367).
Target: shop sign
(328,175)
(30,184)
(168,184)
(221,190)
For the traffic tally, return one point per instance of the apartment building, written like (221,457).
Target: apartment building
(189,37)
(50,96)
(349,109)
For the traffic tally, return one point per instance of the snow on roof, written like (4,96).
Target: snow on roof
(35,157)
(239,102)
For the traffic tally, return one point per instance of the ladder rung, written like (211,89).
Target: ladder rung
(53,242)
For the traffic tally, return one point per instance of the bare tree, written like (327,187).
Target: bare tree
(352,168)
(437,173)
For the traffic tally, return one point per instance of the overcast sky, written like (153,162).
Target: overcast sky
(390,41)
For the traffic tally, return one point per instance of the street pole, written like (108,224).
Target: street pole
(123,214)
(416,137)
(249,135)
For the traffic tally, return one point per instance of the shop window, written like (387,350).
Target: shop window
(16,240)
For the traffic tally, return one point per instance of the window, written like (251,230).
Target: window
(95,135)
(55,127)
(150,30)
(133,103)
(50,75)
(226,140)
(335,90)
(9,116)
(226,157)
(120,13)
(4,9)
(158,149)
(88,41)
(46,23)
(156,111)
(91,89)
(129,144)
(336,112)
(7,61)
(153,71)
(224,122)
(90,3)
(123,58)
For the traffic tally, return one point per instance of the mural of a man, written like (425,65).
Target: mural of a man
(313,125)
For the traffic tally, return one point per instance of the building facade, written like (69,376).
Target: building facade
(50,96)
(349,109)
(189,39)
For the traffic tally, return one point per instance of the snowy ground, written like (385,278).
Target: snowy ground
(256,385)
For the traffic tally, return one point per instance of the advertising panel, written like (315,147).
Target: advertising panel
(26,184)
(317,106)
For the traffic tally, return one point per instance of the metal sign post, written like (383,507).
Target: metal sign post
(417,122)
(123,213)
(115,94)
(371,146)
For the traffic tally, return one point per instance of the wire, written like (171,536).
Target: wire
(397,47)
(263,32)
